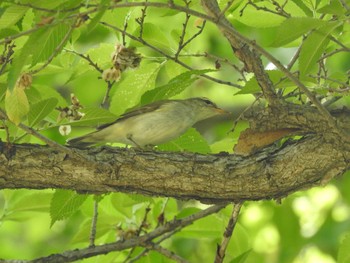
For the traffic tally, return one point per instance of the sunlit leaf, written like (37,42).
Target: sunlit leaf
(344,252)
(191,141)
(12,15)
(130,89)
(39,46)
(40,110)
(174,87)
(314,46)
(64,204)
(16,104)
(295,27)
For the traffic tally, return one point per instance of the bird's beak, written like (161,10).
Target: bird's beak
(221,111)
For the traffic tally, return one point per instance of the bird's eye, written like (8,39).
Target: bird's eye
(208,102)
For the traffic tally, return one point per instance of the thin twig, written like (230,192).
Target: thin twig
(221,250)
(330,79)
(6,56)
(345,5)
(228,5)
(138,232)
(76,254)
(125,27)
(33,132)
(52,10)
(94,224)
(141,20)
(334,52)
(87,58)
(159,223)
(183,32)
(280,11)
(170,57)
(165,252)
(201,28)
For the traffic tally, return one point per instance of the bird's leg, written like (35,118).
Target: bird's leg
(129,137)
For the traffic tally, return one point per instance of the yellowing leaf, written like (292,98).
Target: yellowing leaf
(16,104)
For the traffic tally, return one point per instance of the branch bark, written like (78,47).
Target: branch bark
(271,173)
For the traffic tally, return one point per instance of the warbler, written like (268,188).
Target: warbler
(152,124)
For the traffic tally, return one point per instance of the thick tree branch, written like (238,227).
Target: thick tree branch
(272,173)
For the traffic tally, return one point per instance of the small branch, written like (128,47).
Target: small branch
(294,58)
(183,33)
(6,56)
(87,58)
(165,252)
(220,253)
(345,5)
(279,9)
(334,52)
(53,10)
(138,232)
(94,224)
(33,132)
(74,255)
(125,27)
(54,53)
(201,28)
(170,57)
(344,84)
(104,103)
(141,20)
(228,5)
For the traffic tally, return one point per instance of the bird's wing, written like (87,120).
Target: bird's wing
(136,111)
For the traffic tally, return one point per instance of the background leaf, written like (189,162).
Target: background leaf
(295,27)
(314,46)
(130,90)
(40,110)
(344,252)
(174,87)
(12,15)
(191,141)
(16,105)
(64,204)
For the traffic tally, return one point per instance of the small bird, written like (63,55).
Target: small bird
(152,124)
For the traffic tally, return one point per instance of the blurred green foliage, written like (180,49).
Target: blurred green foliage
(309,226)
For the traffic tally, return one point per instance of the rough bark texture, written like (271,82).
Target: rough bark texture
(271,173)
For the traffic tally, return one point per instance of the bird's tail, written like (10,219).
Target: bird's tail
(82,141)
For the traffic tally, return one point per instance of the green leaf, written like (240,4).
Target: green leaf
(12,15)
(50,40)
(187,211)
(40,110)
(334,7)
(302,6)
(3,89)
(64,204)
(22,209)
(314,46)
(344,252)
(191,141)
(96,19)
(130,89)
(295,27)
(241,258)
(174,87)
(40,46)
(16,105)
